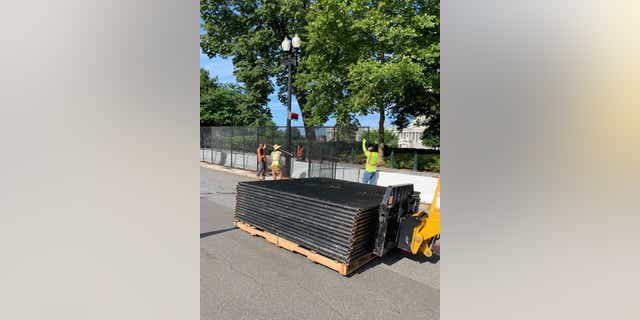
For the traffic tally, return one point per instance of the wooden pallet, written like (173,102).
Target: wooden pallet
(342,268)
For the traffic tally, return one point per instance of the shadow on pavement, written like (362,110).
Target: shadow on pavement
(211,233)
(395,256)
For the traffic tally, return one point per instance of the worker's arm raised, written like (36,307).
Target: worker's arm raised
(364,146)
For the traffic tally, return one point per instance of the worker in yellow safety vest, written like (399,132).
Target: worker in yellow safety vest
(371,166)
(276,172)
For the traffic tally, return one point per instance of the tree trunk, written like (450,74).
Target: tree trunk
(381,136)
(381,121)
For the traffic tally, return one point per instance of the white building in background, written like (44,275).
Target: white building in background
(411,136)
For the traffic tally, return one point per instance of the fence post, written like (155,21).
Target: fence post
(211,145)
(415,161)
(257,146)
(332,154)
(392,160)
(231,146)
(353,156)
(218,133)
(308,158)
(244,155)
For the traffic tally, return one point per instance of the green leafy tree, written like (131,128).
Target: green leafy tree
(390,137)
(226,105)
(206,82)
(251,33)
(359,56)
(373,57)
(431,135)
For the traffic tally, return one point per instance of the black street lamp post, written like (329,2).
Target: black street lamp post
(291,59)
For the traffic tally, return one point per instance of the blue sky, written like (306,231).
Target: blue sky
(223,69)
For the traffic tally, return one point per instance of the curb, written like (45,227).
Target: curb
(248,174)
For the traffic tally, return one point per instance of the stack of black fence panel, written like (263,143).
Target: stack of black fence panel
(335,218)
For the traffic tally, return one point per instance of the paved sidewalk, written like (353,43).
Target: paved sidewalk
(244,277)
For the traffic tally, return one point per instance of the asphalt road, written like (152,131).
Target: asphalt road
(245,277)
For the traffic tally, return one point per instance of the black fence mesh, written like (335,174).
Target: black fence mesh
(331,152)
(236,146)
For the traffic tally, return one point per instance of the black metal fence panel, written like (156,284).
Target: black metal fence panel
(315,150)
(334,152)
(334,218)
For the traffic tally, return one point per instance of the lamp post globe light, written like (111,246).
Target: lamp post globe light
(296,42)
(290,59)
(286,45)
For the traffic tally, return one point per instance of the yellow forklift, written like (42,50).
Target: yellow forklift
(403,225)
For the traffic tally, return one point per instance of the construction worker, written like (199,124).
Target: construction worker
(371,165)
(262,161)
(276,171)
(300,153)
